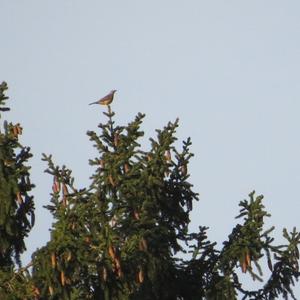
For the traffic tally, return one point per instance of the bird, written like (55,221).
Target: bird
(106,100)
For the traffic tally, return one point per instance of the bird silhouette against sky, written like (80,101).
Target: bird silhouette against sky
(106,100)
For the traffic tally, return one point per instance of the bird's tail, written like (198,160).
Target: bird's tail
(93,103)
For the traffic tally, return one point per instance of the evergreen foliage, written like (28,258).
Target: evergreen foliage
(16,204)
(126,235)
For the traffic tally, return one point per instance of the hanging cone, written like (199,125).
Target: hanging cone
(111,252)
(19,198)
(183,170)
(244,267)
(248,260)
(143,246)
(104,274)
(101,162)
(51,291)
(136,215)
(126,168)
(119,273)
(56,185)
(53,260)
(15,131)
(62,278)
(116,140)
(65,190)
(111,181)
(19,129)
(36,292)
(118,267)
(69,256)
(168,155)
(141,276)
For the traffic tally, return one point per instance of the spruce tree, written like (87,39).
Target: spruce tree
(125,236)
(16,207)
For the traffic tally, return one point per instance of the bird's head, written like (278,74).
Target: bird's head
(113,91)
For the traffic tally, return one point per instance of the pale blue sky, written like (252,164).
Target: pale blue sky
(228,69)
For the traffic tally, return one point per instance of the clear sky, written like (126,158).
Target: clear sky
(228,69)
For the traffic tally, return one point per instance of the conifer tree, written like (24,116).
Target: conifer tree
(16,206)
(124,236)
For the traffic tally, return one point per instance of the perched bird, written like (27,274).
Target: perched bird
(106,100)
